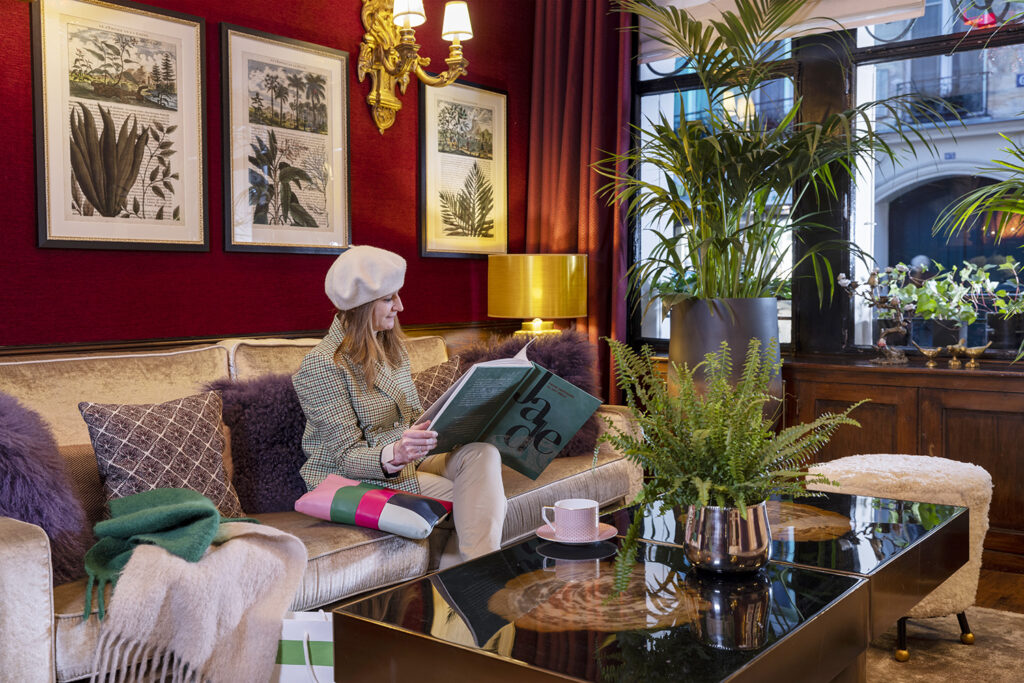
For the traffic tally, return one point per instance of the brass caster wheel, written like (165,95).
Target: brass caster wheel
(967,638)
(901,655)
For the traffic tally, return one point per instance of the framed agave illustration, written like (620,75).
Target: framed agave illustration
(120,126)
(463,172)
(285,144)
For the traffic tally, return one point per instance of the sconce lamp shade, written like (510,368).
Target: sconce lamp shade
(537,285)
(409,13)
(456,21)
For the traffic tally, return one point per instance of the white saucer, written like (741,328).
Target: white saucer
(604,532)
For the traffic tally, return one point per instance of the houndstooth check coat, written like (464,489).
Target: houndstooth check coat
(348,424)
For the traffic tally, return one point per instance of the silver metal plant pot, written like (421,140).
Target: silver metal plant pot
(718,539)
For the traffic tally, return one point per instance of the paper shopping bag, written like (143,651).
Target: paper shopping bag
(305,651)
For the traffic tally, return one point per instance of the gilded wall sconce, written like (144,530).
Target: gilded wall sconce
(389,52)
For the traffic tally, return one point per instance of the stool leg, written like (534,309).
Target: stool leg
(902,654)
(966,637)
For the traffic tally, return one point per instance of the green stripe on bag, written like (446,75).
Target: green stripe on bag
(293,652)
(346,500)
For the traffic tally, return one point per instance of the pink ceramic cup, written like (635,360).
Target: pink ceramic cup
(575,519)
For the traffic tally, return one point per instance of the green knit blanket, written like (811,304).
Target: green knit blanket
(181,521)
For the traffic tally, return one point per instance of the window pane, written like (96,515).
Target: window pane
(662,67)
(772,101)
(896,208)
(943,18)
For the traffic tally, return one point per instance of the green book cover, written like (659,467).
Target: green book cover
(464,411)
(540,420)
(527,412)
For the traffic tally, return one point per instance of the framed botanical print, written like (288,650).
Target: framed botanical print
(120,126)
(286,178)
(463,171)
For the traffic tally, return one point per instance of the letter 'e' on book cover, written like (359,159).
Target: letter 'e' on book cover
(544,416)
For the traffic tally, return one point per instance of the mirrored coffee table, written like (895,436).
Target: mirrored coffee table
(542,611)
(905,549)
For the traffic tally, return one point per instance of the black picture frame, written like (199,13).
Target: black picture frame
(246,130)
(162,99)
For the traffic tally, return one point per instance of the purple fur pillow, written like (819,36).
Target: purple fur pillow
(570,355)
(266,422)
(35,488)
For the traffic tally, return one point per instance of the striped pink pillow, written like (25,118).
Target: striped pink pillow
(348,501)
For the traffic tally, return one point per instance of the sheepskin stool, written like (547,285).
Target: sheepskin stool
(928,480)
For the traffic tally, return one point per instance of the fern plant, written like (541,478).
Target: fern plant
(468,212)
(711,448)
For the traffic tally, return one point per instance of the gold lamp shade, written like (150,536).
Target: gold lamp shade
(537,286)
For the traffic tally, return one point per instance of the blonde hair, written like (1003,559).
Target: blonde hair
(363,348)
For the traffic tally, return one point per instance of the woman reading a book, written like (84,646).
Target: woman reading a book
(360,404)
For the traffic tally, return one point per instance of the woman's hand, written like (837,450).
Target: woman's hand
(416,442)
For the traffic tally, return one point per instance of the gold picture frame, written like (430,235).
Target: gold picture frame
(120,126)
(463,171)
(286,159)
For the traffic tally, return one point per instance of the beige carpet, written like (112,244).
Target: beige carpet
(937,655)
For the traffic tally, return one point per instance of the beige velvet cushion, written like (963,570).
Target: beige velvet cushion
(80,462)
(250,358)
(175,444)
(425,352)
(346,560)
(54,387)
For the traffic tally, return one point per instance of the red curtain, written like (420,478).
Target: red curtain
(580,113)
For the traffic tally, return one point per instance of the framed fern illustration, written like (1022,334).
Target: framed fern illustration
(285,144)
(463,172)
(120,126)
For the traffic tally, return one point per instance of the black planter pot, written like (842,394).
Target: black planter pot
(978,332)
(932,333)
(1006,332)
(944,332)
(698,327)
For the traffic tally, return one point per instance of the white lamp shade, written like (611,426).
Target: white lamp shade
(456,21)
(817,16)
(409,13)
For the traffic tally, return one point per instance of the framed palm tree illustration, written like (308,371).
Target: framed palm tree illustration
(463,171)
(286,161)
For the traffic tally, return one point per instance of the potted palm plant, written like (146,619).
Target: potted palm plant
(713,453)
(732,180)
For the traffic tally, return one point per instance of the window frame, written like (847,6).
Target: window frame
(816,327)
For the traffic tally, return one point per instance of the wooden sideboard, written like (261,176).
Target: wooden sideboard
(974,416)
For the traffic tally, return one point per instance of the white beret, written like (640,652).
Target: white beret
(363,274)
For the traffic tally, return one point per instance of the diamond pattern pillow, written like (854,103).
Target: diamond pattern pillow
(433,382)
(177,444)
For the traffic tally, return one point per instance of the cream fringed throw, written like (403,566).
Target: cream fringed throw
(214,620)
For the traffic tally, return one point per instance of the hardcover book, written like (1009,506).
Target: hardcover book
(526,411)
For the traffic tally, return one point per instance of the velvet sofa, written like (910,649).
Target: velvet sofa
(42,632)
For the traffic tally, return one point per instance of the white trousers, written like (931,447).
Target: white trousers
(470,477)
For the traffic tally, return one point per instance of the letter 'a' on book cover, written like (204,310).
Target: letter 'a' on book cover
(540,421)
(527,412)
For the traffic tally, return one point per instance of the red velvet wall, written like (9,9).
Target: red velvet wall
(56,296)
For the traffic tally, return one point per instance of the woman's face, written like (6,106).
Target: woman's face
(385,312)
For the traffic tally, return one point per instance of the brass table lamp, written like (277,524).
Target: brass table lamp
(537,287)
